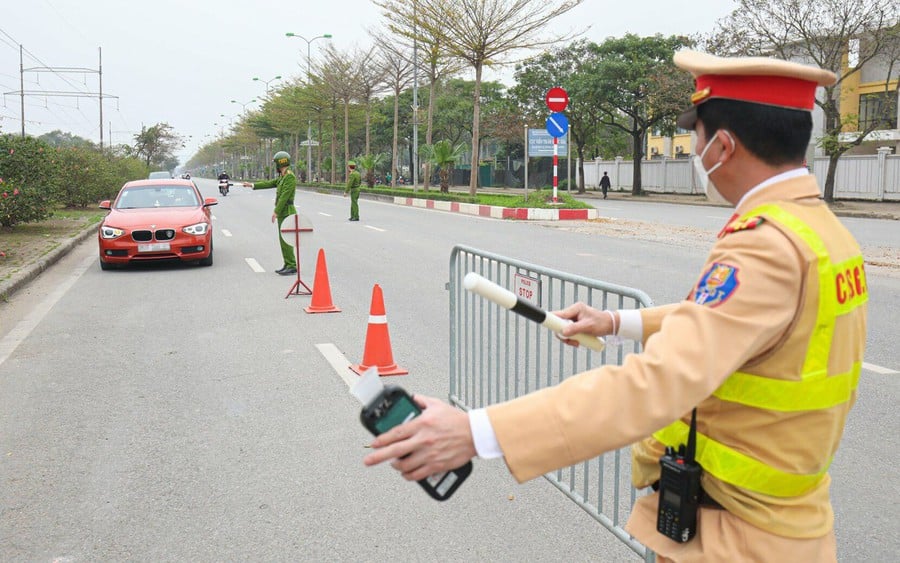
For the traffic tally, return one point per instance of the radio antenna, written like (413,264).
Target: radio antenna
(692,439)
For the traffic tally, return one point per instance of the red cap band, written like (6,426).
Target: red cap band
(780,91)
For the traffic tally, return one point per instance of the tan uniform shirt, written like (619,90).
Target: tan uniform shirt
(761,327)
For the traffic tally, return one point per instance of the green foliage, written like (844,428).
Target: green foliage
(156,145)
(26,162)
(370,163)
(36,177)
(443,155)
(86,177)
(23,205)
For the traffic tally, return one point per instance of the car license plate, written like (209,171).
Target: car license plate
(154,247)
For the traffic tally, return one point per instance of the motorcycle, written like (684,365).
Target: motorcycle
(223,186)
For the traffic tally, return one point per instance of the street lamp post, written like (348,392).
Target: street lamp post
(243,104)
(309,117)
(267,82)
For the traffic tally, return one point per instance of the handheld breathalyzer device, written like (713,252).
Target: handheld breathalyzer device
(387,406)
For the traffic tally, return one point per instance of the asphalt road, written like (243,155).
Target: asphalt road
(184,413)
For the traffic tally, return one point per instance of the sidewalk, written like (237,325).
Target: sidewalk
(889,210)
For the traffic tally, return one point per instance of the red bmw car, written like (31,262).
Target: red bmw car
(156,220)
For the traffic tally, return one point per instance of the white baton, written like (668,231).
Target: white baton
(507,299)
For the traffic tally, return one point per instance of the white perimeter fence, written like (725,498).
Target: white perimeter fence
(863,177)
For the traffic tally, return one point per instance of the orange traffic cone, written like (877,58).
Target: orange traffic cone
(378,342)
(321,293)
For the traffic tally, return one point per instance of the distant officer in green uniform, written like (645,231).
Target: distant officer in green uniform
(286,184)
(353,182)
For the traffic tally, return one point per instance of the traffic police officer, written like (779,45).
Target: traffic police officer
(286,184)
(767,346)
(353,184)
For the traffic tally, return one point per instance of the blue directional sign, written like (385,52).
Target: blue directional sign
(557,124)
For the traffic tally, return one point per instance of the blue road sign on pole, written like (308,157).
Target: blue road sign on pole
(557,124)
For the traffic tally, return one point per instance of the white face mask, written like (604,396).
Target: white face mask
(709,188)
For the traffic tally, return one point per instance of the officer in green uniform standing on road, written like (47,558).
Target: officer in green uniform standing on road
(353,182)
(286,183)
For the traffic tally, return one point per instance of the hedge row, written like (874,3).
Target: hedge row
(35,178)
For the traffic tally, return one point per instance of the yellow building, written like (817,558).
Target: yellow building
(862,97)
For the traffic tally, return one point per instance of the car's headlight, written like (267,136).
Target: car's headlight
(110,232)
(198,229)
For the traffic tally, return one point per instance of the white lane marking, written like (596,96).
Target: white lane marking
(24,327)
(226,232)
(879,369)
(213,217)
(254,265)
(325,214)
(339,363)
(584,254)
(375,228)
(717,217)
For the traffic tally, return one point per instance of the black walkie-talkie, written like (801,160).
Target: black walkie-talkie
(679,489)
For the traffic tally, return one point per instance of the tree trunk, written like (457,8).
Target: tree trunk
(580,168)
(638,151)
(396,133)
(368,127)
(346,136)
(333,141)
(428,128)
(476,119)
(828,188)
(445,179)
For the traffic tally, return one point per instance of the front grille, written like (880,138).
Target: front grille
(147,236)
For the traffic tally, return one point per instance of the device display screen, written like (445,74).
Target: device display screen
(401,411)
(671,497)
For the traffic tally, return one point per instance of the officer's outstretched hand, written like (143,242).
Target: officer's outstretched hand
(438,440)
(247,184)
(586,320)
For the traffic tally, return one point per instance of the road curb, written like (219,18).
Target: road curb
(28,273)
(497,212)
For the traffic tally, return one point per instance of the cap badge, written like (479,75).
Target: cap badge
(701,95)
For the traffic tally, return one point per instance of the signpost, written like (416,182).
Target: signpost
(557,125)
(556,99)
(290,230)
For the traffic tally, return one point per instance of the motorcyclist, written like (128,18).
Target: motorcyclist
(224,182)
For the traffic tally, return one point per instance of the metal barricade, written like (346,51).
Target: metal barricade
(497,355)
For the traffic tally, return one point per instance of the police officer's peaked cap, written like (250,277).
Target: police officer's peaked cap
(758,80)
(351,164)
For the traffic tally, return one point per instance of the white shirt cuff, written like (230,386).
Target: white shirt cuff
(486,444)
(631,326)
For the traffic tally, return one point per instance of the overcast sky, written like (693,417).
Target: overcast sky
(183,61)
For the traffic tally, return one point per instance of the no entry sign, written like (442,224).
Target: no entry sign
(557,99)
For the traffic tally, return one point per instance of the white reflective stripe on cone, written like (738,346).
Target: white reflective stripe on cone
(377,319)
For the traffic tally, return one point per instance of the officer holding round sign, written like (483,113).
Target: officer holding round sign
(766,347)
(286,184)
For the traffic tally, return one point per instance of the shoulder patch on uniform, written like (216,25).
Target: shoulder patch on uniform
(742,224)
(716,285)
